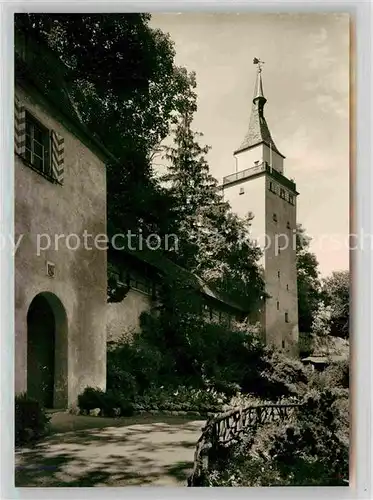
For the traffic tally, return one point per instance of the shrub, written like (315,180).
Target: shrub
(305,344)
(181,399)
(132,366)
(31,420)
(116,404)
(198,354)
(337,374)
(90,399)
(310,451)
(110,403)
(282,376)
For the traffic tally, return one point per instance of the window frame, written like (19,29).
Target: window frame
(46,145)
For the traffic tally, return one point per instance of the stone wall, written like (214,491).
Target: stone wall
(123,318)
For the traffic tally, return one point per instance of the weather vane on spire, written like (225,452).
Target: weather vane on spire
(259,62)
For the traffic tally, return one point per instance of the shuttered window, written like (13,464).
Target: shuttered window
(40,148)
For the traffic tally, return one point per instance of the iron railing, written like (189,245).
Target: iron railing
(248,172)
(257,169)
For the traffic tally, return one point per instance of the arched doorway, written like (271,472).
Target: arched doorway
(47,351)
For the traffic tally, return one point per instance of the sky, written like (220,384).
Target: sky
(306,83)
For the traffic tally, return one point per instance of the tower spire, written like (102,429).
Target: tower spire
(258,132)
(258,90)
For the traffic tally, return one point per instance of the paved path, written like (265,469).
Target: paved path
(90,451)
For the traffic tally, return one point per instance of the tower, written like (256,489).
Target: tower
(259,185)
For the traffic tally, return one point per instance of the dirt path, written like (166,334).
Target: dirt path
(139,451)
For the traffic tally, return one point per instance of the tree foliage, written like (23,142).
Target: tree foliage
(321,329)
(124,85)
(179,346)
(213,241)
(336,294)
(122,81)
(308,280)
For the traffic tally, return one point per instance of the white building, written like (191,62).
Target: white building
(259,185)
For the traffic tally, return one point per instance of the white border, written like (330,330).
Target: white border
(361,263)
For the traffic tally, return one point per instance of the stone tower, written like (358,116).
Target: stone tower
(259,185)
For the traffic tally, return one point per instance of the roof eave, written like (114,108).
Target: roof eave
(199,285)
(246,148)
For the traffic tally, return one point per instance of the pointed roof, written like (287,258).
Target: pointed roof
(258,131)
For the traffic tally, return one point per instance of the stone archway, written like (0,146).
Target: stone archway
(47,351)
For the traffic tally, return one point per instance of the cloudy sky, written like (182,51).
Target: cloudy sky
(306,83)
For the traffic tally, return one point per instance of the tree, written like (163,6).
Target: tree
(213,242)
(122,81)
(308,280)
(321,329)
(194,190)
(336,292)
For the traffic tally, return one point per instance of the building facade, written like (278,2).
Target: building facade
(259,186)
(60,285)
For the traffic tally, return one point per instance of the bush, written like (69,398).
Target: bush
(310,451)
(132,366)
(180,399)
(110,403)
(280,376)
(201,355)
(90,399)
(336,374)
(116,404)
(31,420)
(305,344)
